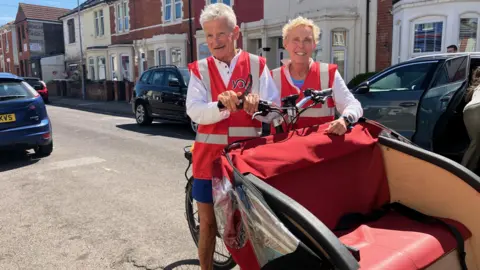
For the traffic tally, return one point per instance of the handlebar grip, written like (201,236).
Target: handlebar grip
(220,105)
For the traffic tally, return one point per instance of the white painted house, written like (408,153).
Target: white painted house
(430,26)
(343,32)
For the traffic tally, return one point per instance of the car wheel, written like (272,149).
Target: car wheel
(141,115)
(194,126)
(44,150)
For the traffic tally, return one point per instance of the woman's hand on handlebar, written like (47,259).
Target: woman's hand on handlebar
(229,100)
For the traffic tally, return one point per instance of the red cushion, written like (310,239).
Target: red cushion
(397,242)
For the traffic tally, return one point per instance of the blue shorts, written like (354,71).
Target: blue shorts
(202,190)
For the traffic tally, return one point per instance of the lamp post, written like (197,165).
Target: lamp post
(81,51)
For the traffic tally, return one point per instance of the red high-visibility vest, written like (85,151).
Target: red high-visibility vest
(320,76)
(212,139)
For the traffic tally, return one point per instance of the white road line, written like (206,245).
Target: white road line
(73,163)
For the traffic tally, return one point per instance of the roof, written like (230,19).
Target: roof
(443,56)
(83,6)
(10,76)
(43,13)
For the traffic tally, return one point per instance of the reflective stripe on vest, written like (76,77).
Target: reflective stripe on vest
(244,132)
(212,138)
(324,75)
(203,70)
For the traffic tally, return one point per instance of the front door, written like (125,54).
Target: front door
(394,96)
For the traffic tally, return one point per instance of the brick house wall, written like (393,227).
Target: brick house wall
(9,54)
(384,34)
(22,43)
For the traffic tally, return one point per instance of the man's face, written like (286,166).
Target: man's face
(220,38)
(300,43)
(451,50)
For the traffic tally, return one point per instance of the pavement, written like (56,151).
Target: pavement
(121,108)
(111,195)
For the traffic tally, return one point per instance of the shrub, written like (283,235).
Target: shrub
(359,79)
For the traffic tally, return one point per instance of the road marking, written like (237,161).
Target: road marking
(110,170)
(73,163)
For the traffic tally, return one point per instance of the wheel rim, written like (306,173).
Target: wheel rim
(194,126)
(140,113)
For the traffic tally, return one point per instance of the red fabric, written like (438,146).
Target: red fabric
(206,153)
(397,242)
(193,67)
(332,176)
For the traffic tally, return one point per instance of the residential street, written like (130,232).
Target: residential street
(110,196)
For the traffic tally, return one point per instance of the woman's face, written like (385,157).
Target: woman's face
(300,43)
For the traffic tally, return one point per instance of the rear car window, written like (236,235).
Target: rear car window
(15,90)
(33,82)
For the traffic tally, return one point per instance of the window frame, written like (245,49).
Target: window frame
(469,15)
(425,20)
(158,56)
(70,28)
(344,48)
(178,49)
(99,23)
(122,16)
(90,66)
(173,11)
(208,2)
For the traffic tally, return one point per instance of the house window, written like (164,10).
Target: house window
(226,2)
(113,67)
(428,37)
(468,34)
(339,50)
(101,67)
(176,56)
(172,9)
(125,60)
(203,51)
(162,57)
(7,44)
(71,31)
(91,68)
(122,17)
(99,23)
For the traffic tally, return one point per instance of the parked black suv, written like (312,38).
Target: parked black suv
(160,93)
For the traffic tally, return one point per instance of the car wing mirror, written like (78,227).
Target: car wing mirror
(174,82)
(363,88)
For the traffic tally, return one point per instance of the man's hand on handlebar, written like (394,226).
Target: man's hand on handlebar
(250,104)
(229,100)
(233,101)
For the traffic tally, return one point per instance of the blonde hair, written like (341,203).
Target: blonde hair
(217,11)
(299,21)
(473,85)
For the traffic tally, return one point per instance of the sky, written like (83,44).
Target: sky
(9,8)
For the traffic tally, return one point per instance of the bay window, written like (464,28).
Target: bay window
(468,35)
(339,50)
(428,37)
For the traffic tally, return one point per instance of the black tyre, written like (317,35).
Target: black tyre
(222,260)
(141,115)
(44,150)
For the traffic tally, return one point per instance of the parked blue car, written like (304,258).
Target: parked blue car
(423,100)
(24,122)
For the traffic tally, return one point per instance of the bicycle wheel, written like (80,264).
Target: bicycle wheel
(222,259)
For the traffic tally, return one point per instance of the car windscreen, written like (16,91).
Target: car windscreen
(15,90)
(186,75)
(33,82)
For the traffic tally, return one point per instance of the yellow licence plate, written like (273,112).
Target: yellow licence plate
(6,118)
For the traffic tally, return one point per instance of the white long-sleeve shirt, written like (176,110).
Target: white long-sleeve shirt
(204,113)
(346,104)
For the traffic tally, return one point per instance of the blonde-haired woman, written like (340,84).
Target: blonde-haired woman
(471,118)
(300,72)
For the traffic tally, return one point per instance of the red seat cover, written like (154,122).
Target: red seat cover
(397,242)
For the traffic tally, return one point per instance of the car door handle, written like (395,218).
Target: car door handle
(408,104)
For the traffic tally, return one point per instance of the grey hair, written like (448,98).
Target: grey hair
(217,11)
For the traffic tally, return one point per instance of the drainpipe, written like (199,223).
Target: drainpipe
(367,36)
(190,28)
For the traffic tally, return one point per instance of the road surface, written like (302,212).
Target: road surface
(111,196)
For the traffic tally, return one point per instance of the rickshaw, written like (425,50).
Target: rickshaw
(370,199)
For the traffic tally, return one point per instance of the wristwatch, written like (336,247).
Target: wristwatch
(348,120)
